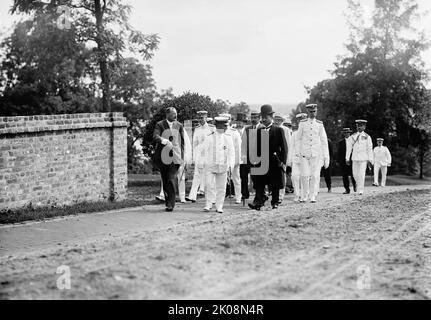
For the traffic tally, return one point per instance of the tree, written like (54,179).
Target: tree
(241,107)
(381,79)
(43,71)
(103,24)
(187,105)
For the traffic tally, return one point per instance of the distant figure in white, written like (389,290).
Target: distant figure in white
(382,160)
(360,146)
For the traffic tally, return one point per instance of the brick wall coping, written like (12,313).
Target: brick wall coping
(43,123)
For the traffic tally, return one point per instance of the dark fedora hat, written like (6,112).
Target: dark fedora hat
(266,109)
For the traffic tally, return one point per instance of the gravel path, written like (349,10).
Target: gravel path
(371,247)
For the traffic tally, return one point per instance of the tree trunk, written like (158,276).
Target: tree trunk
(421,165)
(103,60)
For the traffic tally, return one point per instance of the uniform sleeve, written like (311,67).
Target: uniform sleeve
(187,149)
(389,156)
(349,146)
(237,148)
(291,151)
(231,152)
(195,145)
(244,147)
(300,132)
(370,150)
(324,143)
(206,147)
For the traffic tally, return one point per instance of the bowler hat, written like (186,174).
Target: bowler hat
(266,110)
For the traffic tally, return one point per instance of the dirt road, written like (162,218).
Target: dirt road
(371,247)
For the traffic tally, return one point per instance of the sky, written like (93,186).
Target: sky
(257,51)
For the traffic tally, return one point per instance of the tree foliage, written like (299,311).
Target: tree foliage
(241,107)
(381,79)
(100,25)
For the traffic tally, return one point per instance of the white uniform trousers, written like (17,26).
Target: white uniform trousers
(236,179)
(198,180)
(377,168)
(359,169)
(296,180)
(181,185)
(215,189)
(310,173)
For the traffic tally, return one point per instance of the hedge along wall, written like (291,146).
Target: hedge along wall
(62,159)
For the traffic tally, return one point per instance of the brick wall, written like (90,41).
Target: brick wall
(62,159)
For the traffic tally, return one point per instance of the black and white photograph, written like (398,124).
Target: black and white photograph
(238,151)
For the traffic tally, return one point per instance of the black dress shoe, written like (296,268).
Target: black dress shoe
(168,209)
(190,200)
(354,189)
(254,206)
(275,206)
(346,192)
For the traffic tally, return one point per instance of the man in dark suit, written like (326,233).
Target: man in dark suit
(272,148)
(169,138)
(245,159)
(327,173)
(346,170)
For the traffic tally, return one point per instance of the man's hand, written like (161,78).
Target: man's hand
(389,165)
(326,163)
(348,162)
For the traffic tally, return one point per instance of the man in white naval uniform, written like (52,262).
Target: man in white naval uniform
(219,159)
(382,160)
(199,136)
(360,147)
(294,160)
(235,174)
(313,145)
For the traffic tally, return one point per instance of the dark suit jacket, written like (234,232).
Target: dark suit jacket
(341,152)
(176,136)
(245,156)
(275,177)
(331,149)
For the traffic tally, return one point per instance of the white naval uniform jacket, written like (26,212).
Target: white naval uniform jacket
(199,136)
(294,149)
(360,146)
(219,152)
(312,139)
(236,139)
(382,156)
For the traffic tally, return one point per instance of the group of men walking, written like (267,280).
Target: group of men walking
(268,151)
